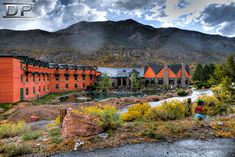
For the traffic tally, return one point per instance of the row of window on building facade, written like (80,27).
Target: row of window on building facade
(160,81)
(57,86)
(57,77)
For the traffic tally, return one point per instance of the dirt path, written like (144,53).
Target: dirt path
(185,148)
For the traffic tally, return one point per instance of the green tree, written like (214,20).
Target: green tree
(135,83)
(206,73)
(224,76)
(105,83)
(198,74)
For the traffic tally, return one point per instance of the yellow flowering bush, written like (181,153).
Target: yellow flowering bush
(108,114)
(12,129)
(169,110)
(136,112)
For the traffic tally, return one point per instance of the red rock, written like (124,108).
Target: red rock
(34,118)
(78,124)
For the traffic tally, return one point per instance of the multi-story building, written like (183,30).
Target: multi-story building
(24,78)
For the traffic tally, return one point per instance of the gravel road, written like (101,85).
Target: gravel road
(184,148)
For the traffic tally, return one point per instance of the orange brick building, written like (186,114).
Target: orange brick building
(24,78)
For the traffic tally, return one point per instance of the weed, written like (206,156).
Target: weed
(55,135)
(152,134)
(31,135)
(11,150)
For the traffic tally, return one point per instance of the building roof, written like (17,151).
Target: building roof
(120,72)
(70,66)
(175,68)
(31,61)
(156,68)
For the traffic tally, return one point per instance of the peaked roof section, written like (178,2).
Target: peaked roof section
(156,68)
(121,72)
(175,68)
(187,68)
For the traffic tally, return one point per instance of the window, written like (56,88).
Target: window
(67,85)
(84,77)
(124,82)
(66,76)
(160,81)
(44,88)
(171,81)
(57,86)
(21,78)
(27,91)
(44,77)
(75,76)
(39,77)
(34,91)
(39,89)
(33,77)
(27,77)
(186,82)
(57,77)
(91,77)
(48,78)
(75,85)
(83,85)
(178,81)
(152,81)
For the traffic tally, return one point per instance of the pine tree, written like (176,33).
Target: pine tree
(206,73)
(198,74)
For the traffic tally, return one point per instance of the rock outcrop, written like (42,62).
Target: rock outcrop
(78,124)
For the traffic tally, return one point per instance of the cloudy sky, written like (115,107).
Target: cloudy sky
(208,16)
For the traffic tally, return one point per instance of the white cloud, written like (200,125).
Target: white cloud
(192,10)
(51,15)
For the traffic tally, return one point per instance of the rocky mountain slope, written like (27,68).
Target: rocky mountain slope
(121,43)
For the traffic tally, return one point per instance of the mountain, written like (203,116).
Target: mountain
(121,43)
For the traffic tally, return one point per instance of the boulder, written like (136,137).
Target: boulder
(103,136)
(34,118)
(79,124)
